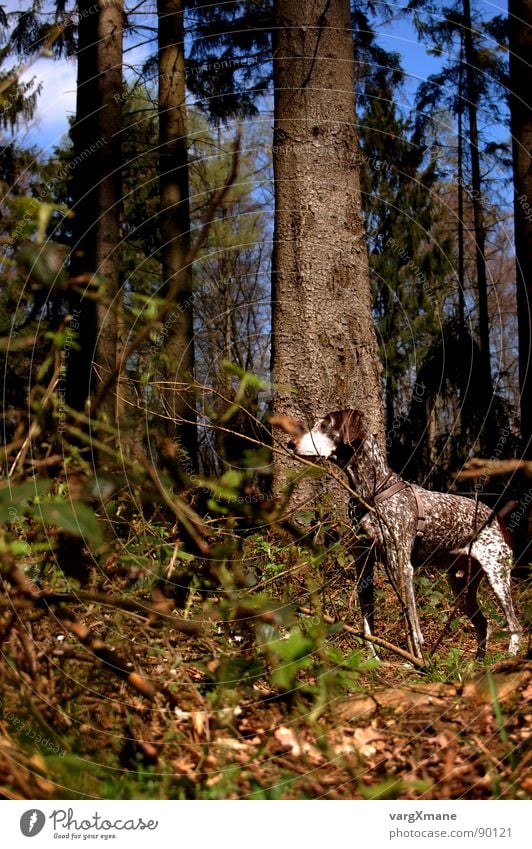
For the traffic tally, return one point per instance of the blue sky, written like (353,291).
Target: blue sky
(59,76)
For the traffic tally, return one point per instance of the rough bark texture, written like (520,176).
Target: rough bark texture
(520,31)
(178,360)
(324,344)
(108,261)
(97,182)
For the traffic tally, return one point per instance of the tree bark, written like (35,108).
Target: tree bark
(178,356)
(520,32)
(487,437)
(97,181)
(324,351)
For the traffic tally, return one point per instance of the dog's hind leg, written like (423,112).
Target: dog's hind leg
(495,558)
(465,574)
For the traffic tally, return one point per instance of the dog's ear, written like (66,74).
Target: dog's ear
(349,424)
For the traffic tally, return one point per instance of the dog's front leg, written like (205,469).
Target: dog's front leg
(365,565)
(401,574)
(411,607)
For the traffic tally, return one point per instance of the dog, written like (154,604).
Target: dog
(406,525)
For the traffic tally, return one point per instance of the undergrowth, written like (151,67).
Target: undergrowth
(137,668)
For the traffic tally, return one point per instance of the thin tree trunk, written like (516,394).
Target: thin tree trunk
(461,263)
(324,345)
(175,229)
(464,373)
(487,437)
(520,31)
(97,182)
(108,264)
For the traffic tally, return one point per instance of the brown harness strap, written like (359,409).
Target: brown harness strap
(389,491)
(421,517)
(399,486)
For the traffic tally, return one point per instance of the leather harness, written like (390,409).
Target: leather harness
(381,494)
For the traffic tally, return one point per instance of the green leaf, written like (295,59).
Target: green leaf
(20,547)
(14,499)
(238,670)
(44,263)
(297,646)
(231,478)
(73,518)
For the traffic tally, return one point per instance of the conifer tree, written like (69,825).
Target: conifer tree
(520,44)
(467,84)
(401,207)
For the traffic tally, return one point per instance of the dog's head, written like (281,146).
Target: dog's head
(331,436)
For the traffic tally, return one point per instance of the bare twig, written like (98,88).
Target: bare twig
(173,289)
(186,516)
(34,427)
(11,344)
(108,657)
(31,596)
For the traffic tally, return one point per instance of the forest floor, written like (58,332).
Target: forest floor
(225,721)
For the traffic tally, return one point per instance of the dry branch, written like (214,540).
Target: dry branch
(33,597)
(109,658)
(12,344)
(378,641)
(478,468)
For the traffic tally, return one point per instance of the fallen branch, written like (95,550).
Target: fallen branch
(108,657)
(478,468)
(12,344)
(44,599)
(378,641)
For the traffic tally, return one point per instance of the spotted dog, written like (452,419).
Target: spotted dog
(406,525)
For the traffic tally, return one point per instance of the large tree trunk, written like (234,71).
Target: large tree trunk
(324,344)
(520,30)
(178,359)
(97,181)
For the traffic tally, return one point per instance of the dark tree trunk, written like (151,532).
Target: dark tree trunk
(97,182)
(324,344)
(520,34)
(177,371)
(461,256)
(485,394)
(520,31)
(464,374)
